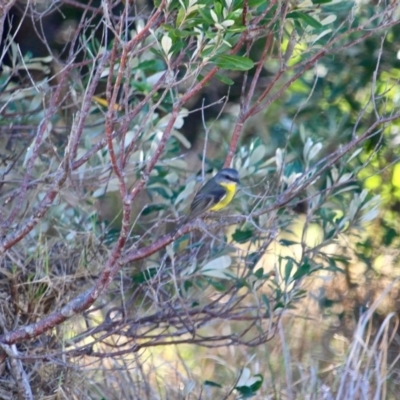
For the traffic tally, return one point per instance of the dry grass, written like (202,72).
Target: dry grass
(340,352)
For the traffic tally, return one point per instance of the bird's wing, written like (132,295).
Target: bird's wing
(204,201)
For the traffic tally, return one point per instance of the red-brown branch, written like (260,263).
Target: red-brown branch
(117,259)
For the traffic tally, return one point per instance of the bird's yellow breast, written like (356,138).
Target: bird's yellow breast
(230,193)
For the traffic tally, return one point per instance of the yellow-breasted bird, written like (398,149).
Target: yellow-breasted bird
(214,195)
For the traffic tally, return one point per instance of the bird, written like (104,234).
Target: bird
(214,195)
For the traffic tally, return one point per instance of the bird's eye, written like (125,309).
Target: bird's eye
(230,177)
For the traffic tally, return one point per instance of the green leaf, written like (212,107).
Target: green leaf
(256,3)
(219,286)
(259,273)
(213,384)
(321,1)
(163,192)
(245,391)
(257,385)
(286,242)
(252,259)
(111,236)
(206,16)
(333,266)
(144,276)
(180,33)
(288,269)
(248,391)
(343,6)
(224,79)
(187,285)
(294,167)
(153,208)
(301,294)
(308,19)
(143,87)
(233,63)
(218,268)
(279,305)
(242,236)
(258,154)
(304,269)
(218,9)
(389,235)
(180,16)
(151,66)
(343,259)
(267,304)
(241,282)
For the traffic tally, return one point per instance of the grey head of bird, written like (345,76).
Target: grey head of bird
(228,175)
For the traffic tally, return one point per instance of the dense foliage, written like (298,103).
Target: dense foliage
(107,131)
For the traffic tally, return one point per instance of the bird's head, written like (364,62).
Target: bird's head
(227,175)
